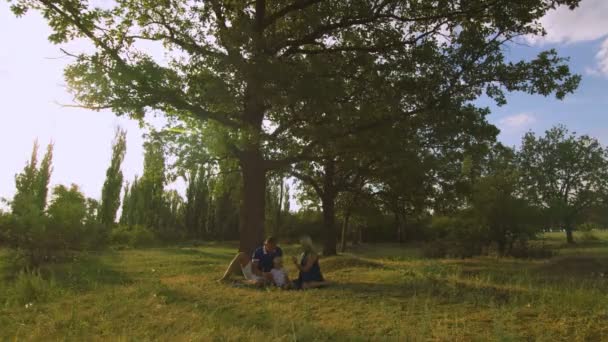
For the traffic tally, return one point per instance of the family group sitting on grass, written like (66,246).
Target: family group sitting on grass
(265,267)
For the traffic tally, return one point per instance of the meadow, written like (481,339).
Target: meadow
(380,292)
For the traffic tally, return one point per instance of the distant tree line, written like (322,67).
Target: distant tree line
(493,198)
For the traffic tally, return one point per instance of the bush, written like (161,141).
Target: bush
(133,236)
(5,221)
(589,236)
(37,238)
(29,235)
(458,236)
(435,249)
(30,287)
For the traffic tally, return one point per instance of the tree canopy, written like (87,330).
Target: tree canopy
(564,173)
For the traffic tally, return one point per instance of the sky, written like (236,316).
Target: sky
(32,90)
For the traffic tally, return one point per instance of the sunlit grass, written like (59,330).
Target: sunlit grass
(380,292)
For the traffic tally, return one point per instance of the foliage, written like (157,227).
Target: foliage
(37,237)
(5,220)
(145,200)
(152,183)
(133,236)
(564,174)
(30,288)
(43,177)
(68,209)
(460,235)
(243,66)
(496,202)
(197,205)
(495,215)
(110,193)
(586,227)
(31,184)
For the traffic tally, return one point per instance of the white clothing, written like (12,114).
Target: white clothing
(279,276)
(248,273)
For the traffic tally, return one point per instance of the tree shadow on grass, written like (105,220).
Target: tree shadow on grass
(217,256)
(575,267)
(584,270)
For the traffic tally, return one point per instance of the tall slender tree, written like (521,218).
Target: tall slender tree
(110,193)
(197,203)
(33,182)
(152,183)
(126,201)
(25,185)
(43,177)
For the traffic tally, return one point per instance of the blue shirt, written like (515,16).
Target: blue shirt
(265,258)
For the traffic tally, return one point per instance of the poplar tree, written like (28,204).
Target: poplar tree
(110,193)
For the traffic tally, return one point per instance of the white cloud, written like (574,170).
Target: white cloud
(585,23)
(592,71)
(602,58)
(601,69)
(520,120)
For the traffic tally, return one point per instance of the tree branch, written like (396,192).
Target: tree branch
(297,5)
(308,180)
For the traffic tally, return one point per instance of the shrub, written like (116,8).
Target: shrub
(458,236)
(589,236)
(5,221)
(28,235)
(587,227)
(37,238)
(30,287)
(133,236)
(67,213)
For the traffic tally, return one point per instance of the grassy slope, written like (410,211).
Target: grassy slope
(384,292)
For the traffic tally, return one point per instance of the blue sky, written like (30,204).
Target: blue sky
(32,86)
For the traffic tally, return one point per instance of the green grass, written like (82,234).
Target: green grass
(381,292)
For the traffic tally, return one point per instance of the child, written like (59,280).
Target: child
(279,274)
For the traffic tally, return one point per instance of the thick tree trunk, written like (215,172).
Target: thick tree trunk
(329,227)
(569,236)
(344,230)
(399,226)
(277,231)
(253,165)
(253,205)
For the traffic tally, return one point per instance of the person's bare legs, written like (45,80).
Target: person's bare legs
(240,260)
(314,284)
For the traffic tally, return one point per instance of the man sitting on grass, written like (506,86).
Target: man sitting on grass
(256,269)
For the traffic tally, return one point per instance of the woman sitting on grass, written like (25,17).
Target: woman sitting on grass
(308,265)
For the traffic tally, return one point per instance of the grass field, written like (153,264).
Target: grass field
(381,292)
